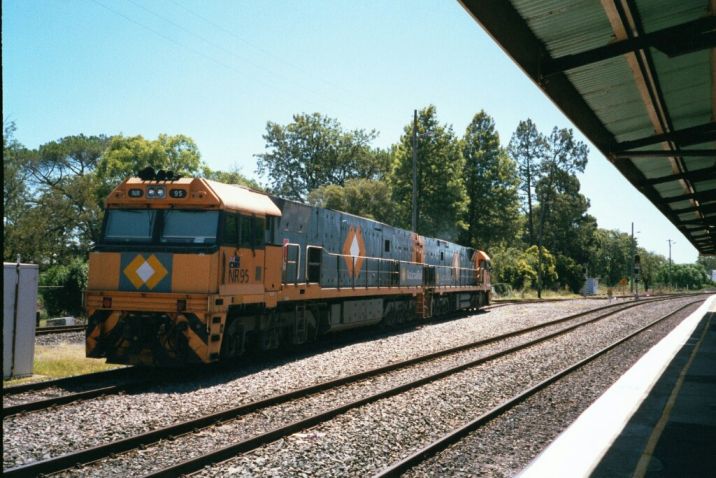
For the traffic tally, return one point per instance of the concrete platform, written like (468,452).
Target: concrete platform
(658,420)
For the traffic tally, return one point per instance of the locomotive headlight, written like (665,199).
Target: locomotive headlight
(155,192)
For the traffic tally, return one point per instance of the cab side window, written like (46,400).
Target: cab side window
(259,234)
(245,231)
(231,229)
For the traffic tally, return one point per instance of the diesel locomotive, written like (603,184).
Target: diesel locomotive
(190,270)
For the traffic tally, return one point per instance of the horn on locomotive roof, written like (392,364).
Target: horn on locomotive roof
(148,174)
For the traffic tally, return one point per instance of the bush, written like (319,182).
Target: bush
(72,281)
(571,274)
(502,289)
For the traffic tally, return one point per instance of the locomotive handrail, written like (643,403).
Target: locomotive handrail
(382,260)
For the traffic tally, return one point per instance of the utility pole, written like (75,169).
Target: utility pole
(414,218)
(670,243)
(632,257)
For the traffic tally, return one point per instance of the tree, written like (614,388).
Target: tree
(441,200)
(54,196)
(544,260)
(683,276)
(569,232)
(362,197)
(65,185)
(564,157)
(650,265)
(709,263)
(126,155)
(511,265)
(232,177)
(491,181)
(315,151)
(610,257)
(16,195)
(72,280)
(528,149)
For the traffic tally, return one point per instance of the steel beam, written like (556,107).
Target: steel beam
(703,209)
(673,41)
(661,153)
(695,175)
(698,196)
(695,135)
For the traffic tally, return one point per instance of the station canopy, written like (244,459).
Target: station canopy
(638,78)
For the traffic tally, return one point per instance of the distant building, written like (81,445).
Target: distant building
(591,286)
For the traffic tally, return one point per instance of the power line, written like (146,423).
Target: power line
(260,49)
(160,34)
(205,40)
(194,50)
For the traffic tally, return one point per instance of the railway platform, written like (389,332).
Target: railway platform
(658,420)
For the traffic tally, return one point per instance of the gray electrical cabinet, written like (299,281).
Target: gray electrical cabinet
(19,309)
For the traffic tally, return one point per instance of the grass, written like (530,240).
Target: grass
(62,360)
(532,294)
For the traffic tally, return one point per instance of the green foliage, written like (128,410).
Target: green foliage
(491,181)
(72,278)
(442,200)
(315,151)
(683,276)
(549,264)
(528,149)
(16,195)
(59,213)
(568,230)
(547,166)
(362,197)
(569,273)
(518,267)
(54,196)
(232,177)
(610,258)
(709,262)
(650,265)
(126,155)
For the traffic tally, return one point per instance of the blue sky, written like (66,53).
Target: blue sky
(219,70)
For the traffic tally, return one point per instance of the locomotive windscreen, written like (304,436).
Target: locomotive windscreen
(134,225)
(177,226)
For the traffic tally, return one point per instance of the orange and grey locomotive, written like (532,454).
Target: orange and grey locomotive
(190,270)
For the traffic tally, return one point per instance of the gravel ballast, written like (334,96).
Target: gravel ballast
(101,420)
(364,440)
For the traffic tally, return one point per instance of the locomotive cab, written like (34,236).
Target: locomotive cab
(170,251)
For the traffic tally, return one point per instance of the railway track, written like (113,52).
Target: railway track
(433,448)
(98,452)
(60,329)
(67,381)
(92,385)
(45,403)
(108,385)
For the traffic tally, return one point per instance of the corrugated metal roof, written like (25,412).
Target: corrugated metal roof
(636,77)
